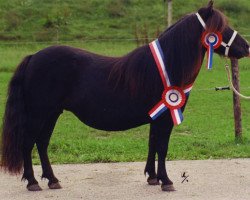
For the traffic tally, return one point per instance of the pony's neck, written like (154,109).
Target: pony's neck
(183,50)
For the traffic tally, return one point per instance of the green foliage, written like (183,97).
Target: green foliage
(87,19)
(58,17)
(234,6)
(237,11)
(13,20)
(116,8)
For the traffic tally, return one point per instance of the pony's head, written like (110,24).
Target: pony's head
(233,45)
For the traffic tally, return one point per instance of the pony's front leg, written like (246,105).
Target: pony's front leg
(150,166)
(160,132)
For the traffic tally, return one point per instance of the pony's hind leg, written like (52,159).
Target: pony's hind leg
(42,146)
(28,169)
(28,144)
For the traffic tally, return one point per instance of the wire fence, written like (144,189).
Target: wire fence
(85,40)
(76,41)
(247,88)
(208,90)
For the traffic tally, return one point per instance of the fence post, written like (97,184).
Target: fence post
(236,100)
(170,9)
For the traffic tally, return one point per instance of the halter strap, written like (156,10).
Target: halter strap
(201,20)
(226,45)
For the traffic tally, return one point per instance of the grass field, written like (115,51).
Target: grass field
(207,131)
(35,20)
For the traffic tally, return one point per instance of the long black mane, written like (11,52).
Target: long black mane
(183,51)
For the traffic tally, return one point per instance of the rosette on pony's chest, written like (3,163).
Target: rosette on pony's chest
(173,97)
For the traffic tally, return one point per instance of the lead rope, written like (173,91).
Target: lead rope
(231,84)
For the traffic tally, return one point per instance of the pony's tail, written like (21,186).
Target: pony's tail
(14,123)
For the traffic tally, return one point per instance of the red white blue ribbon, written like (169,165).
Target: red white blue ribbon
(211,41)
(173,98)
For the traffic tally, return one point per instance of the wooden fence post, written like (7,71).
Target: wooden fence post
(236,100)
(170,9)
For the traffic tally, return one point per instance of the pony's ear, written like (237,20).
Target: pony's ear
(210,6)
(207,11)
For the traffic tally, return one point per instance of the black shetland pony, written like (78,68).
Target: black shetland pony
(103,92)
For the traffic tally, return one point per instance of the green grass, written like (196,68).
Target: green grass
(84,19)
(207,131)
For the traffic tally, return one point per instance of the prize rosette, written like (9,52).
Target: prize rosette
(211,41)
(173,97)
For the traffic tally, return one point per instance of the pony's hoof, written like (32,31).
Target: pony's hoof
(34,187)
(55,186)
(168,188)
(153,181)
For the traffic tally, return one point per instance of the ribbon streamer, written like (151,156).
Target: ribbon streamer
(211,41)
(173,98)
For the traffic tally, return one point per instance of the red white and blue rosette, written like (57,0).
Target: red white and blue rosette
(211,41)
(173,98)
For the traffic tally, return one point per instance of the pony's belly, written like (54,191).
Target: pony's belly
(120,126)
(111,120)
(96,104)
